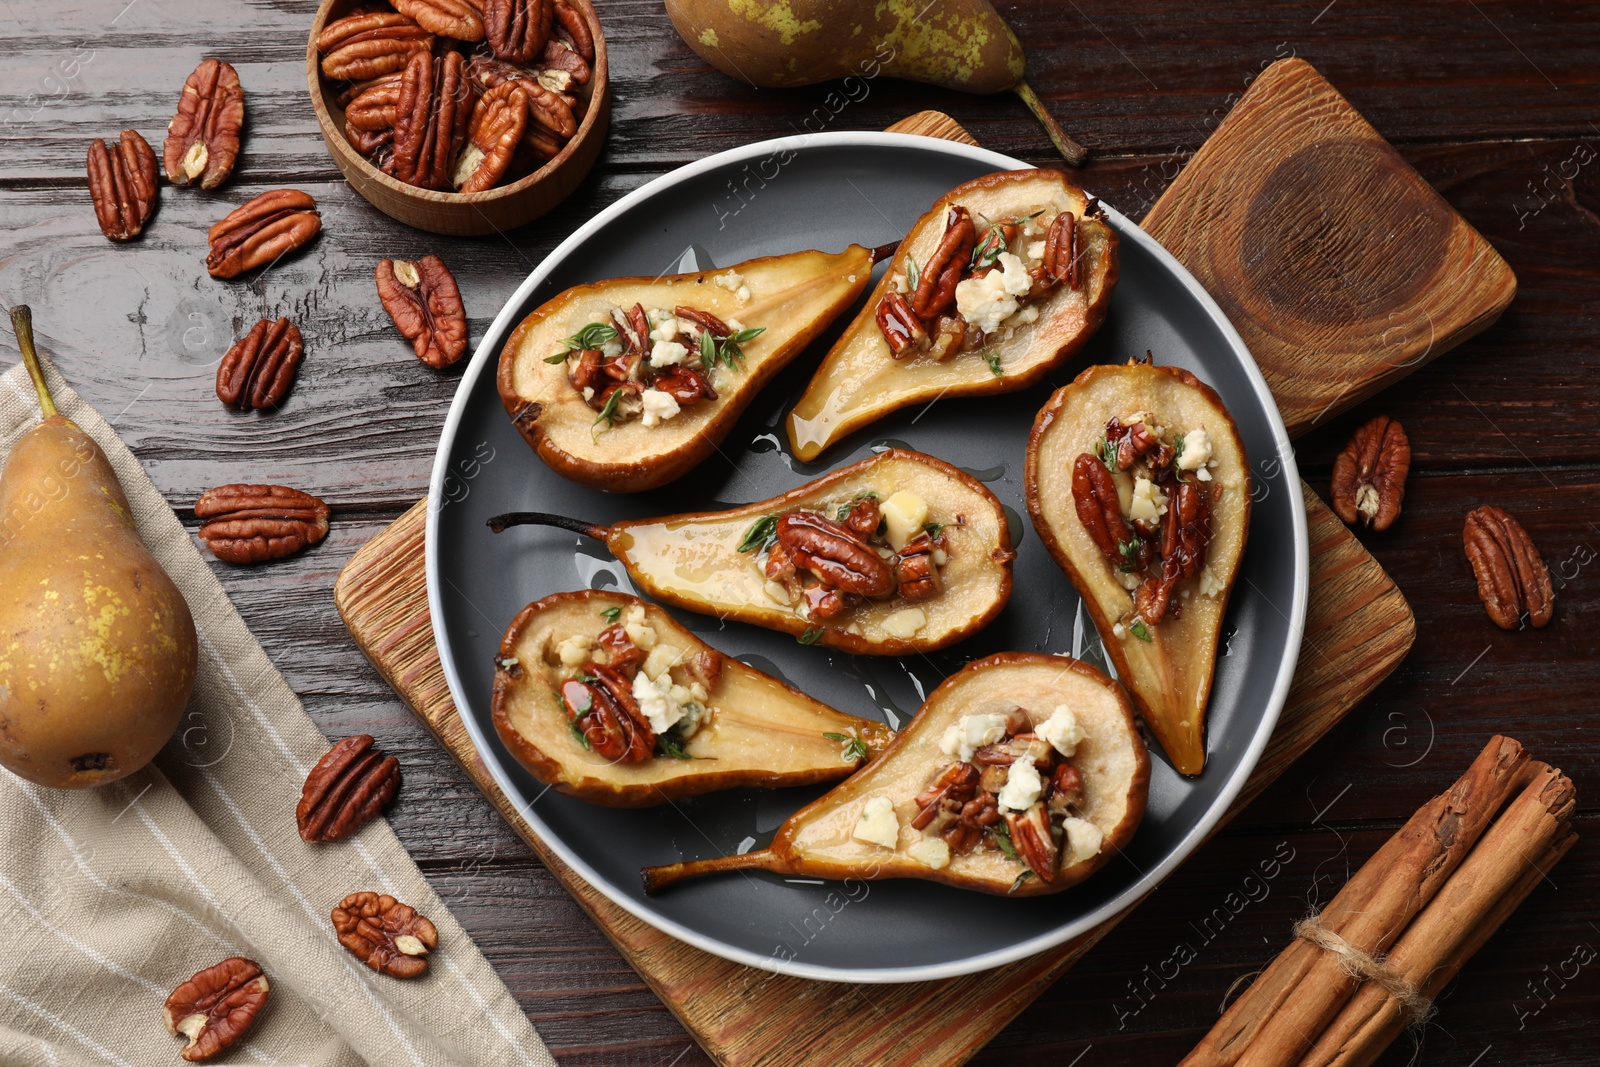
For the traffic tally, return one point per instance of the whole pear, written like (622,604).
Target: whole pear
(97,646)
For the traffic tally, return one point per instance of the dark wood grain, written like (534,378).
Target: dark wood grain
(1508,417)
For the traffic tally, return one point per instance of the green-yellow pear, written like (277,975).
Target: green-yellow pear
(97,647)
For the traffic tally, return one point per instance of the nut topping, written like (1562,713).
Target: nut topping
(460,19)
(1035,844)
(431,118)
(263,230)
(517,29)
(386,935)
(203,137)
(255,523)
(1094,495)
(347,789)
(1061,251)
(936,288)
(836,556)
(1369,477)
(122,183)
(1513,581)
(261,366)
(368,45)
(423,300)
(215,1007)
(608,717)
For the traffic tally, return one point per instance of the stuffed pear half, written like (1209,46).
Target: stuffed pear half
(1138,484)
(1023,774)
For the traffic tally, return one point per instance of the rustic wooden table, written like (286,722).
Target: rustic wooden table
(1497,104)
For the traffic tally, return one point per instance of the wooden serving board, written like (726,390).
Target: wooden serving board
(1358,628)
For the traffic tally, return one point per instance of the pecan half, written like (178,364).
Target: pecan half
(431,118)
(550,116)
(372,107)
(1369,477)
(561,59)
(423,300)
(899,325)
(685,384)
(936,285)
(1061,251)
(348,788)
(575,29)
(122,184)
(836,556)
(621,653)
(460,19)
(914,571)
(608,717)
(957,783)
(203,137)
(260,367)
(1035,845)
(703,319)
(386,935)
(370,44)
(256,523)
(1513,581)
(497,125)
(214,1008)
(269,227)
(517,29)
(1094,495)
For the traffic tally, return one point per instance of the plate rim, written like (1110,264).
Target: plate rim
(487,353)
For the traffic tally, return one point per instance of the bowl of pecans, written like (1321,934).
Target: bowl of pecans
(460,117)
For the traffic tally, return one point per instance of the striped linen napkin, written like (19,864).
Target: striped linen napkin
(111,897)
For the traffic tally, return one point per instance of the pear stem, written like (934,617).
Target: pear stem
(1071,150)
(884,251)
(658,878)
(501,523)
(22,324)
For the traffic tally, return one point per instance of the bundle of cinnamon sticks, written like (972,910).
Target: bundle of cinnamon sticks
(1357,974)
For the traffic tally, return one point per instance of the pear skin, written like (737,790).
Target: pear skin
(819,841)
(793,297)
(1170,674)
(760,731)
(693,561)
(860,381)
(97,646)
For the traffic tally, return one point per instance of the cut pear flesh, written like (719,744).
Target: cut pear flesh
(825,838)
(755,730)
(694,561)
(791,298)
(860,382)
(1168,665)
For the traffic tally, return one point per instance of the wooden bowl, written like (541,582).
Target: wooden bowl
(504,207)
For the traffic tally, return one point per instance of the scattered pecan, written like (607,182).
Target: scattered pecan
(863,516)
(1369,477)
(260,367)
(497,125)
(517,29)
(621,653)
(1513,581)
(899,325)
(370,44)
(372,108)
(122,184)
(936,285)
(268,227)
(824,601)
(460,19)
(685,384)
(256,523)
(203,137)
(575,29)
(423,300)
(1094,494)
(350,785)
(431,118)
(1184,537)
(840,559)
(383,933)
(607,716)
(914,570)
(949,331)
(706,667)
(703,319)
(215,1007)
(1035,844)
(1135,442)
(957,783)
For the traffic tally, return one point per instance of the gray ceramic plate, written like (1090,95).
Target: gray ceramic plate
(824,192)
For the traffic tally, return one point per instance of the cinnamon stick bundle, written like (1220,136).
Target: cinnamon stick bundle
(1429,898)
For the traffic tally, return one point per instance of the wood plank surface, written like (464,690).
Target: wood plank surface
(1459,89)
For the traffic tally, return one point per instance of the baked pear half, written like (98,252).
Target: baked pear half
(1138,484)
(627,384)
(1023,774)
(996,286)
(607,699)
(895,554)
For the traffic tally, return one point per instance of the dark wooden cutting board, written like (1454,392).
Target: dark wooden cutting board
(1358,626)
